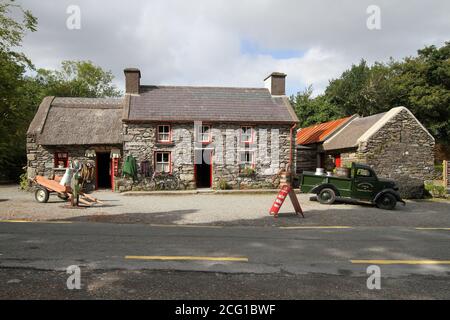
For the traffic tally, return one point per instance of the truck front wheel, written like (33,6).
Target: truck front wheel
(386,201)
(326,196)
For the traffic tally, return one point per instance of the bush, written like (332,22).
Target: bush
(437,191)
(248,172)
(223,184)
(24,184)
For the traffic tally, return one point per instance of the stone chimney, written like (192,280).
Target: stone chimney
(132,80)
(276,83)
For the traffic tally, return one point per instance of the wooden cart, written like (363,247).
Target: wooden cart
(45,187)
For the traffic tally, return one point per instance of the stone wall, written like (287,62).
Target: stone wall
(401,150)
(40,159)
(140,142)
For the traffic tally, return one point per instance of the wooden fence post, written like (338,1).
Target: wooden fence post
(445,172)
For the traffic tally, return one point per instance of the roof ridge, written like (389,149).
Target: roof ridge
(201,86)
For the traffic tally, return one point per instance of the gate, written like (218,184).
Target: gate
(446,173)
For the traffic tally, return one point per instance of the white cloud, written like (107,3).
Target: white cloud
(198,42)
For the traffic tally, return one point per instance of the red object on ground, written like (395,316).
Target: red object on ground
(284,192)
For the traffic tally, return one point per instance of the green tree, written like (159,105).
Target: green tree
(362,89)
(16,105)
(422,84)
(20,95)
(311,110)
(77,79)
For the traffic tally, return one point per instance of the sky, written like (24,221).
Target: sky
(233,42)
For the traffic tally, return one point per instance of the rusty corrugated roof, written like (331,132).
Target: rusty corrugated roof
(319,132)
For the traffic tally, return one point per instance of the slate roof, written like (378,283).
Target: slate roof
(68,121)
(348,136)
(319,132)
(209,104)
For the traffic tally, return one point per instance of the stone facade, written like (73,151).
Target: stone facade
(270,147)
(400,150)
(41,159)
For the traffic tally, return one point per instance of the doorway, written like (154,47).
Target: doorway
(203,168)
(103,171)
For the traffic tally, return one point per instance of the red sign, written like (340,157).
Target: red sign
(279,200)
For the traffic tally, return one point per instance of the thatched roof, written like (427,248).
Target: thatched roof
(212,104)
(78,121)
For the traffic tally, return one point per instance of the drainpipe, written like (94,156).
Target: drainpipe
(289,168)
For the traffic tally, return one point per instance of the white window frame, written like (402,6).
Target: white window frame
(163,166)
(168,133)
(201,133)
(250,135)
(244,163)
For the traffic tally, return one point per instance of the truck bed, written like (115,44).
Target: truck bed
(309,180)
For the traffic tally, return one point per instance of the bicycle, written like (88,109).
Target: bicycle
(165,181)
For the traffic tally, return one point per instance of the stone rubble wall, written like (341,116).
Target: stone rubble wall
(401,150)
(140,142)
(41,159)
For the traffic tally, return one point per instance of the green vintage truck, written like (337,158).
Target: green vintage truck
(362,184)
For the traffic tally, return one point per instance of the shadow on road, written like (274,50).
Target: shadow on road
(163,217)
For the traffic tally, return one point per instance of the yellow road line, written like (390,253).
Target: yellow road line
(181,226)
(434,262)
(191,258)
(31,221)
(318,227)
(432,228)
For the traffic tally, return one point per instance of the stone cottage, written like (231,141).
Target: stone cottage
(394,143)
(192,137)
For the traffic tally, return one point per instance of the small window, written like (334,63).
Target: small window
(162,162)
(61,159)
(246,134)
(164,133)
(204,134)
(247,159)
(363,173)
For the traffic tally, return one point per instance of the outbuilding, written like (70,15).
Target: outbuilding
(394,143)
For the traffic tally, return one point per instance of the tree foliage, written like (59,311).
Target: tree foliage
(21,94)
(313,110)
(15,102)
(77,79)
(420,83)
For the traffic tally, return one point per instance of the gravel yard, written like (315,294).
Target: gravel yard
(218,209)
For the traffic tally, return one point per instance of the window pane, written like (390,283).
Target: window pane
(246,134)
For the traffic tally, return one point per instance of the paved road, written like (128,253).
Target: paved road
(239,254)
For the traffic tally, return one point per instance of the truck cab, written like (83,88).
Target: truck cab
(361,184)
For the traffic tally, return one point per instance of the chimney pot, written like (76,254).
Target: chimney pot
(132,80)
(276,83)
